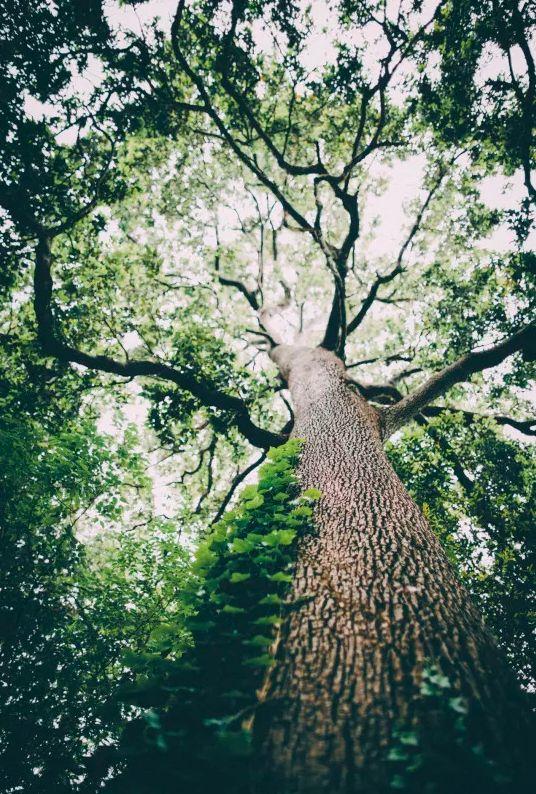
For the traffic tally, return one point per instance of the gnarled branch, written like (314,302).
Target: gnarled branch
(399,264)
(53,345)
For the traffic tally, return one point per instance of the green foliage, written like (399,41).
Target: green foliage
(492,111)
(68,610)
(194,732)
(442,760)
(485,524)
(47,655)
(97,117)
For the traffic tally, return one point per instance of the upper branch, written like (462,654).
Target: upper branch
(371,297)
(240,100)
(249,295)
(213,114)
(461,370)
(403,50)
(54,346)
(399,264)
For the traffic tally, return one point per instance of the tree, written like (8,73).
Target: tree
(70,610)
(378,600)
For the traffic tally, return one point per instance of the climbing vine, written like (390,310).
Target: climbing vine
(198,704)
(446,760)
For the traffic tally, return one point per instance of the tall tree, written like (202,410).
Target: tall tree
(378,601)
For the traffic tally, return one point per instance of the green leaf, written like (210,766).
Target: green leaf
(231,610)
(254,504)
(268,620)
(459,705)
(397,754)
(280,537)
(237,577)
(281,577)
(265,660)
(249,492)
(409,738)
(241,546)
(259,641)
(272,598)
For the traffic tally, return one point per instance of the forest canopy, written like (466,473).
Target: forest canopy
(192,196)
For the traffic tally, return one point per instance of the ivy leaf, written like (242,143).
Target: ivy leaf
(237,577)
(265,660)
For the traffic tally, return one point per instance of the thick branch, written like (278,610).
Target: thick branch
(388,394)
(336,329)
(461,370)
(54,346)
(335,334)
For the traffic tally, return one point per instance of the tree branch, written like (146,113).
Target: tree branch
(399,266)
(461,370)
(249,295)
(336,328)
(234,485)
(335,333)
(371,297)
(210,474)
(526,426)
(224,131)
(383,359)
(54,346)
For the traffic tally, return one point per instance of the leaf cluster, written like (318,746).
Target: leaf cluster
(195,731)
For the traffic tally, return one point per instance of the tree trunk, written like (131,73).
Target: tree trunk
(373,601)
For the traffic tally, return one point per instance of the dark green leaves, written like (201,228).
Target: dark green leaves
(241,577)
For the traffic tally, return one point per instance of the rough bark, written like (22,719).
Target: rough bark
(374,599)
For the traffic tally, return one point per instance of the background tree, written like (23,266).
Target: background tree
(135,224)
(69,610)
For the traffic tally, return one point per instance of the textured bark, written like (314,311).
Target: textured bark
(374,598)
